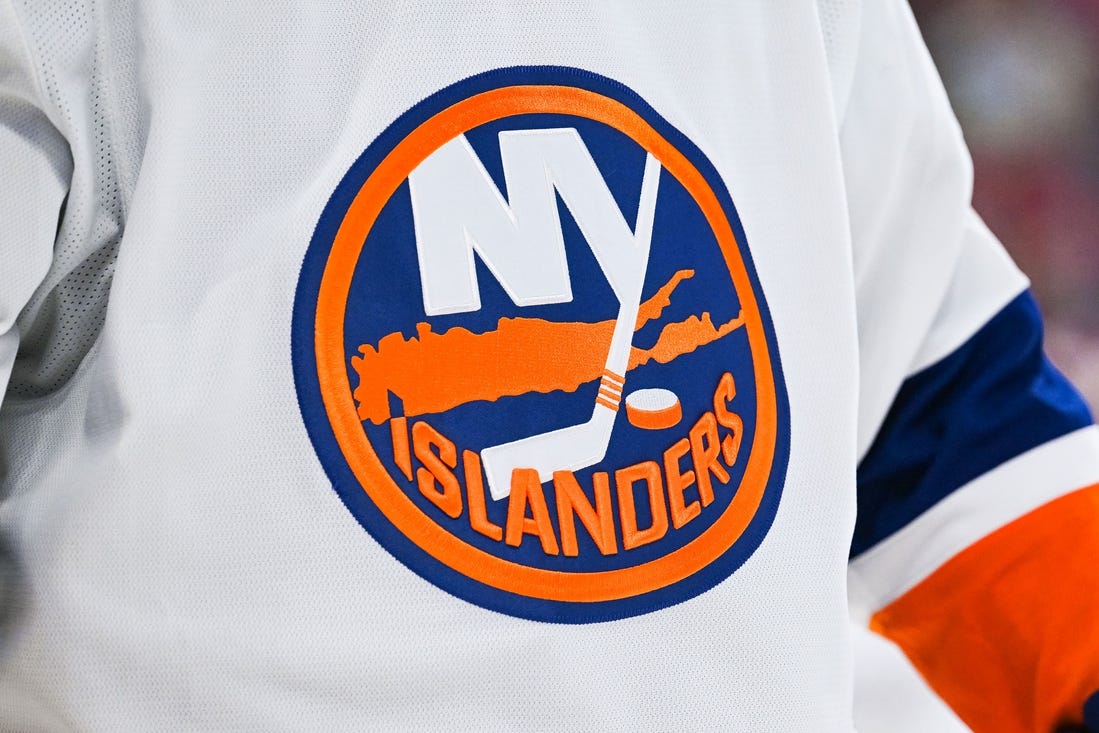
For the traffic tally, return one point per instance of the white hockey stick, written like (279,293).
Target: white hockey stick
(579,446)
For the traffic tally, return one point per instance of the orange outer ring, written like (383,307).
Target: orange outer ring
(336,391)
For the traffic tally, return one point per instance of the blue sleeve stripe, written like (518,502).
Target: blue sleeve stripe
(996,397)
(1091,712)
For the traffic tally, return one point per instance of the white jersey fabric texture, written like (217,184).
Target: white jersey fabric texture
(178,557)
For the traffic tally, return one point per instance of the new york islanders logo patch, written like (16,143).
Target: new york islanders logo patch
(533,355)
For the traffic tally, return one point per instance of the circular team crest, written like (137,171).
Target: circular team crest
(533,356)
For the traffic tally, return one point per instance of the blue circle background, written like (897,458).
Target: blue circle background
(620,163)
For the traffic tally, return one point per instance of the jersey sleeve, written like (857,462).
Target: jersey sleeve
(35,168)
(976,546)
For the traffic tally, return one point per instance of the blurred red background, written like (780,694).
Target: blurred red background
(1023,76)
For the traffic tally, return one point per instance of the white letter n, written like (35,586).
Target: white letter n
(458,209)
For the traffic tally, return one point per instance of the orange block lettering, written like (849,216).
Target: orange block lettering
(705,447)
(599,521)
(526,491)
(625,478)
(398,430)
(723,395)
(475,495)
(436,481)
(678,483)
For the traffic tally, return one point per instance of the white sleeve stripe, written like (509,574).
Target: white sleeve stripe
(897,564)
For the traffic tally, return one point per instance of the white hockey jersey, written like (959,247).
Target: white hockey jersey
(515,366)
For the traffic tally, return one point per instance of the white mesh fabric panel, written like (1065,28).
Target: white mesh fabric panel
(63,319)
(34,171)
(36,167)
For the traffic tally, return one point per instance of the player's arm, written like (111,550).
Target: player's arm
(35,167)
(976,547)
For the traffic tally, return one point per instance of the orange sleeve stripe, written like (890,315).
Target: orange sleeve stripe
(1007,631)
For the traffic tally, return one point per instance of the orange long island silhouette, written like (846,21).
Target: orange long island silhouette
(434,372)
